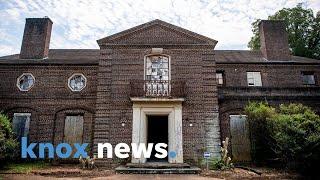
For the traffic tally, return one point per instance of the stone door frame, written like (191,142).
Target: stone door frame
(142,107)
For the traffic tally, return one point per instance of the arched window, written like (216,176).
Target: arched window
(157,75)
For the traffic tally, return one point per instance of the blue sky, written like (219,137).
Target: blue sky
(79,23)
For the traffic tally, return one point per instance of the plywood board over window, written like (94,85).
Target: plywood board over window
(240,142)
(73,129)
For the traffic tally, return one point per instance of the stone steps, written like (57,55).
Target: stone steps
(157,168)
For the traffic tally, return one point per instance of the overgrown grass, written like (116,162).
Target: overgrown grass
(25,167)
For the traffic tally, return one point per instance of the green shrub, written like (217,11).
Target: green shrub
(8,144)
(291,132)
(259,114)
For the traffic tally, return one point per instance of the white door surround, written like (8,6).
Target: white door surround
(142,107)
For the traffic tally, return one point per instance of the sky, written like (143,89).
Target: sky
(78,24)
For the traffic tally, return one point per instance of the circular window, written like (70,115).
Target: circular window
(25,82)
(77,82)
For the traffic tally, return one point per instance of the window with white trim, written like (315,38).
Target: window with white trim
(157,75)
(21,124)
(254,79)
(220,78)
(157,68)
(77,82)
(25,82)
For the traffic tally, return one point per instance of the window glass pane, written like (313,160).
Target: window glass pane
(309,79)
(157,68)
(20,124)
(157,76)
(219,77)
(77,82)
(25,82)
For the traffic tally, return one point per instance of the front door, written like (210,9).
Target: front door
(157,133)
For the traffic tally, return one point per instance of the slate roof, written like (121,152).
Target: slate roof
(248,56)
(58,56)
(91,57)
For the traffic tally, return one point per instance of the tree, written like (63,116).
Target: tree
(303,31)
(8,144)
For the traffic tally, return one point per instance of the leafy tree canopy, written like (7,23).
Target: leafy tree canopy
(303,31)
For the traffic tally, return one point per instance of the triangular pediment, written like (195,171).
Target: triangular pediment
(156,32)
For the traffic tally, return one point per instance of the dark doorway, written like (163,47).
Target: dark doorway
(157,133)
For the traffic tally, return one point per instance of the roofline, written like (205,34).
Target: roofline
(150,23)
(271,62)
(49,64)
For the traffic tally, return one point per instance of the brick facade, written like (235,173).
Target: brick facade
(105,101)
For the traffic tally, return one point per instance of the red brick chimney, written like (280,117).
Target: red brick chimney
(36,38)
(274,40)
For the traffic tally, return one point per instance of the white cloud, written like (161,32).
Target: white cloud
(78,24)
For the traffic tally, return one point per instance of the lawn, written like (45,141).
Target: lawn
(24,167)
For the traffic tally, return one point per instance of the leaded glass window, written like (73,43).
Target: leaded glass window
(77,82)
(157,76)
(25,82)
(157,68)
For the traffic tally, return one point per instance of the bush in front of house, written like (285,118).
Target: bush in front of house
(289,132)
(8,144)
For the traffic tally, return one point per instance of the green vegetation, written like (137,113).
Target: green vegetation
(222,163)
(25,167)
(290,133)
(303,31)
(8,144)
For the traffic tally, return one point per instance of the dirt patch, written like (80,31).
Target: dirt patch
(72,171)
(255,173)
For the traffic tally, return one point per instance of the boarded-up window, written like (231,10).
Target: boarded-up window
(73,129)
(240,142)
(20,124)
(254,79)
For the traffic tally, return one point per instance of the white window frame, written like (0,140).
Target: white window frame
(222,77)
(77,74)
(18,82)
(145,65)
(255,76)
(145,73)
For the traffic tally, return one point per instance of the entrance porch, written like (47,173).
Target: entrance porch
(156,120)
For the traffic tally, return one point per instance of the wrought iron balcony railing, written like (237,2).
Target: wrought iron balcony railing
(157,88)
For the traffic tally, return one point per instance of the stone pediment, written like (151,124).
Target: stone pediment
(156,32)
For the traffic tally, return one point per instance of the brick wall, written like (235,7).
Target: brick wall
(120,66)
(50,99)
(281,83)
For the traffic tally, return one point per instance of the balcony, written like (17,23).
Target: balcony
(157,89)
